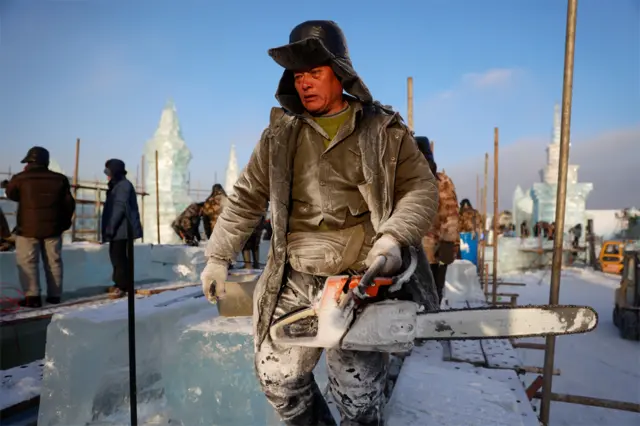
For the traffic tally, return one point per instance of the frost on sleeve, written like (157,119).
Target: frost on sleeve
(415,196)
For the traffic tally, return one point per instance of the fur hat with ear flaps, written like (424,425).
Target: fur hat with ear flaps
(311,44)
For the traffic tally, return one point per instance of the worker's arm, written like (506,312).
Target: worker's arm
(415,196)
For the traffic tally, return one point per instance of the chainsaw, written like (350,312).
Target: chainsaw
(352,313)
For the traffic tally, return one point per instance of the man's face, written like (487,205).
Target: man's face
(319,90)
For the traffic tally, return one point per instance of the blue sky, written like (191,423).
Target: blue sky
(103,70)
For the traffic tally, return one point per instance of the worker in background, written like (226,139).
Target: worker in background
(441,240)
(187,224)
(347,184)
(213,207)
(576,231)
(252,246)
(524,229)
(45,211)
(119,213)
(7,239)
(470,219)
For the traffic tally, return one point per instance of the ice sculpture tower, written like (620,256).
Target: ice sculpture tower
(544,192)
(232,171)
(173,171)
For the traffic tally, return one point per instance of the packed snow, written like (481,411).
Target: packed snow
(598,364)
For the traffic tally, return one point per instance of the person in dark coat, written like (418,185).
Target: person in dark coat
(7,239)
(120,208)
(45,211)
(252,246)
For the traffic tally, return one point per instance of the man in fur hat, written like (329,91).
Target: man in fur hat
(346,183)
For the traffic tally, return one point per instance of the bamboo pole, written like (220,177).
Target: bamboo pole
(561,198)
(494,240)
(75,188)
(410,102)
(142,197)
(157,200)
(433,147)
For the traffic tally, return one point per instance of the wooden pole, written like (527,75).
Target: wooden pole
(410,102)
(157,200)
(98,217)
(561,199)
(144,191)
(494,240)
(483,211)
(75,189)
(433,147)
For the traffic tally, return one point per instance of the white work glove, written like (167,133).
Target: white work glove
(213,278)
(388,247)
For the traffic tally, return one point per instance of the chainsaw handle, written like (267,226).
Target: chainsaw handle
(367,279)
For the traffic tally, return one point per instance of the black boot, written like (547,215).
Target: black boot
(53,300)
(31,302)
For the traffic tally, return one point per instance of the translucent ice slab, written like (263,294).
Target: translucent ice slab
(194,367)
(86,364)
(210,380)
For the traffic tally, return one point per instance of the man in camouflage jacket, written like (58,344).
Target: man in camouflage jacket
(443,237)
(212,208)
(346,183)
(187,224)
(470,219)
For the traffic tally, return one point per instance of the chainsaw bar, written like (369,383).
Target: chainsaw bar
(563,320)
(393,326)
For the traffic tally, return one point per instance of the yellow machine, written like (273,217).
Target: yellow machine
(611,257)
(626,313)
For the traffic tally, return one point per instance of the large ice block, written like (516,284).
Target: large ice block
(173,178)
(462,283)
(85,376)
(87,270)
(210,378)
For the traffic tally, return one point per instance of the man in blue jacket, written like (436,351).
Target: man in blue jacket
(120,207)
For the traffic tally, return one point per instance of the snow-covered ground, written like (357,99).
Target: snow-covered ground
(598,364)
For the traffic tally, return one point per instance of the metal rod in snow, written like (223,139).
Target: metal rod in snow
(157,200)
(131,320)
(561,197)
(494,239)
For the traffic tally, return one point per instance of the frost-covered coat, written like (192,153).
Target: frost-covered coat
(401,194)
(446,223)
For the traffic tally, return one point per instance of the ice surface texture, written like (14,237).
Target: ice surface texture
(211,379)
(173,177)
(196,367)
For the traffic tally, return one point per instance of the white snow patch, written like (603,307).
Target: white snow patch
(20,384)
(599,363)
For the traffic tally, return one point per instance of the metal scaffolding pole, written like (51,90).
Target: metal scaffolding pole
(561,197)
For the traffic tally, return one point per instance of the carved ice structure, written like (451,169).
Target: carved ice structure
(540,203)
(173,176)
(232,171)
(194,367)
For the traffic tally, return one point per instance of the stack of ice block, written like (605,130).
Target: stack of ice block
(194,367)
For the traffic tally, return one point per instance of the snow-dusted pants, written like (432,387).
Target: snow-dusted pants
(356,379)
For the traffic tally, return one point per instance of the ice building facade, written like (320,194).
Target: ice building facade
(232,171)
(539,203)
(173,177)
